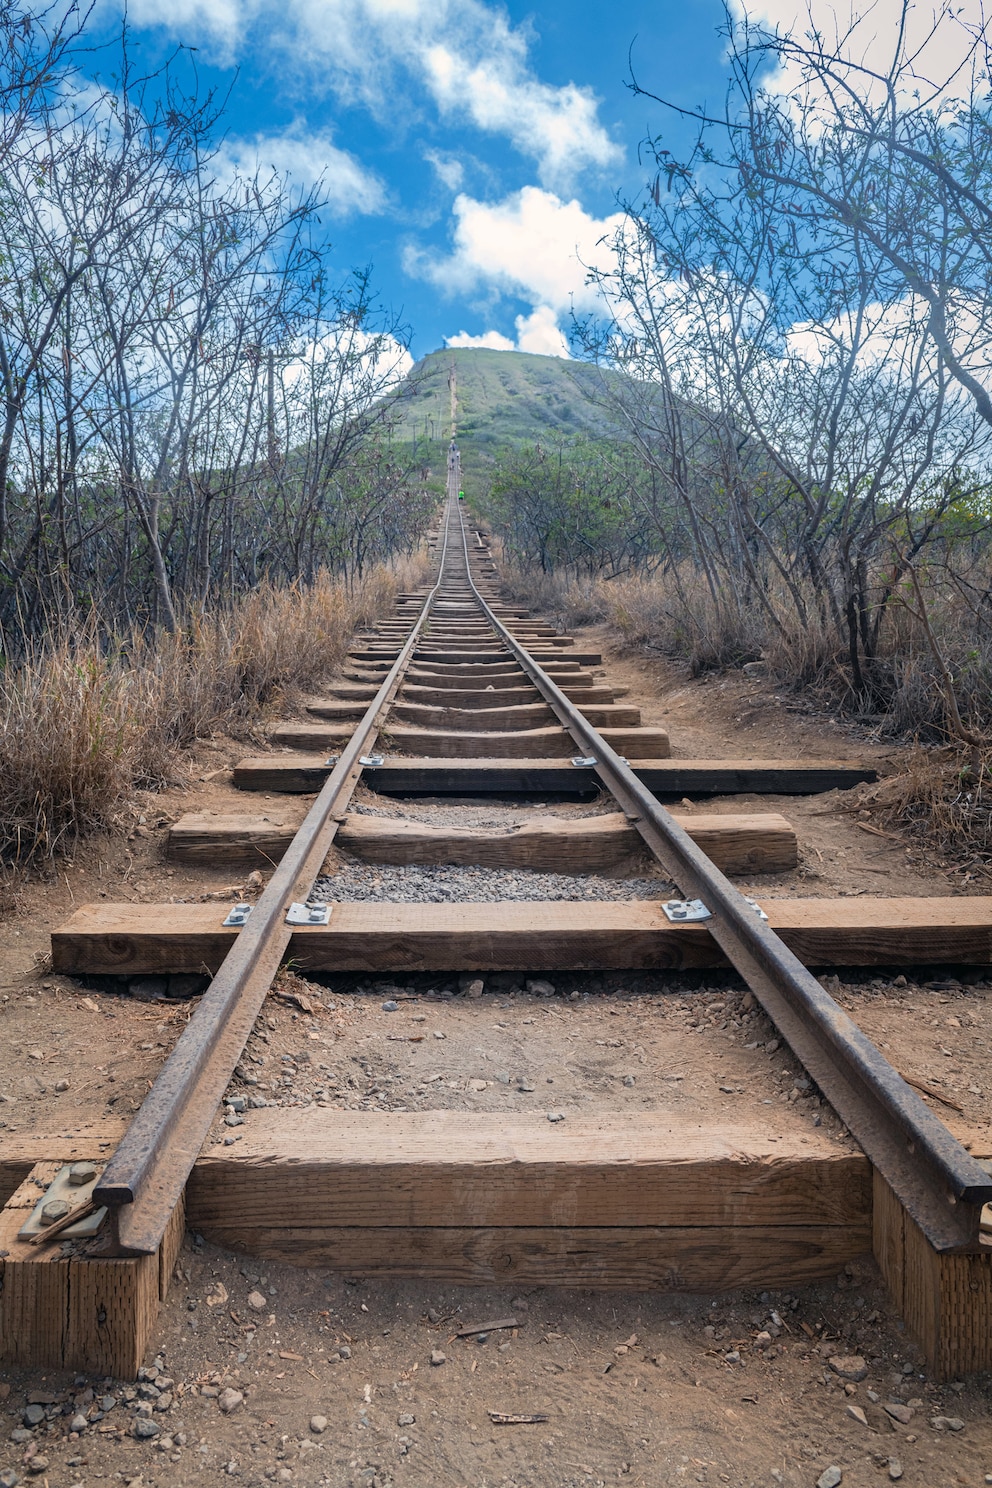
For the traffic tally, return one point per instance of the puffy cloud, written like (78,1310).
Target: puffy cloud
(490,341)
(465,54)
(934,40)
(306,160)
(538,333)
(531,245)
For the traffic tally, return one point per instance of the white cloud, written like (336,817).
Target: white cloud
(531,245)
(449,170)
(933,38)
(538,333)
(305,159)
(471,61)
(490,341)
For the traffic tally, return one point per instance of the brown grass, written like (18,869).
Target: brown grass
(937,800)
(83,722)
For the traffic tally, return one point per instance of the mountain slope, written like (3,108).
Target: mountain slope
(505,397)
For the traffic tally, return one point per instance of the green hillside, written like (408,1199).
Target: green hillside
(505,396)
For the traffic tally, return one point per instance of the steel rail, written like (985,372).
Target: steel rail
(144,1180)
(941,1185)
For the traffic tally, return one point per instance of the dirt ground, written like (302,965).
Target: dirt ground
(335,1372)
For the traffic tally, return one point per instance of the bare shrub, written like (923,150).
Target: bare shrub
(82,722)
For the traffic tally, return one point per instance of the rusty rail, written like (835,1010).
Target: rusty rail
(941,1186)
(144,1180)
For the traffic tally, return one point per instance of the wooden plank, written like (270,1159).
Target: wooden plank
(482,678)
(508,717)
(534,743)
(556,777)
(946,1299)
(664,777)
(457,1169)
(204,837)
(124,939)
(758,842)
(497,697)
(648,1259)
(88,1313)
(600,1202)
(542,655)
(530,743)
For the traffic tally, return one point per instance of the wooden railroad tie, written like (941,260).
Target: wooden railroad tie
(130,939)
(738,842)
(530,743)
(299,772)
(631,1201)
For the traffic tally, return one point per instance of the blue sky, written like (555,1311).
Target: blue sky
(473,152)
(468,148)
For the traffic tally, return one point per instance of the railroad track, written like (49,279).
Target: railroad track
(459,695)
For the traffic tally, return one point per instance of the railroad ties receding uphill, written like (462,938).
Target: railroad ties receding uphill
(460,695)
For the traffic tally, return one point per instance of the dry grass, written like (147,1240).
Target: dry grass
(82,722)
(937,800)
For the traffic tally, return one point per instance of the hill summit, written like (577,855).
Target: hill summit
(505,398)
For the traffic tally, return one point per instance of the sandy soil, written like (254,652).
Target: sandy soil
(637,1388)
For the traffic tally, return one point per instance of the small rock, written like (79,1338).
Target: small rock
(144,1429)
(406,1419)
(524,1088)
(237,1103)
(556,1115)
(39,1464)
(477,1085)
(830,1477)
(772,1047)
(475,988)
(437,1357)
(257,1302)
(734,1356)
(61,1086)
(107,1403)
(232,1119)
(33,1415)
(849,1367)
(537,987)
(900,1413)
(78,1423)
(946,1423)
(895,1469)
(629,1080)
(9,1478)
(857,1414)
(390,1006)
(344,1351)
(318,1425)
(229,1400)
